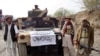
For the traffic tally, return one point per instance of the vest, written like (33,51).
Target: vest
(69,30)
(84,33)
(12,31)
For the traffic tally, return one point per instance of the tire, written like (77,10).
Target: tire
(22,50)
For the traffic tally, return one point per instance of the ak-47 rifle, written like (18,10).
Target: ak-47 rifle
(93,49)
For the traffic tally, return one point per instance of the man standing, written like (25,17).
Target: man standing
(36,7)
(10,36)
(84,37)
(68,35)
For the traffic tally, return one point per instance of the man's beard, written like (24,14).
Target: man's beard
(9,22)
(85,26)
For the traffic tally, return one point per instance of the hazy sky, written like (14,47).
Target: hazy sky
(19,8)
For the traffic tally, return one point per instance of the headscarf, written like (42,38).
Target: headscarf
(8,17)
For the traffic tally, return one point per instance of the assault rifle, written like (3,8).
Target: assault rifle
(93,49)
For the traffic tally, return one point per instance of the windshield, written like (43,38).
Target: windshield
(36,23)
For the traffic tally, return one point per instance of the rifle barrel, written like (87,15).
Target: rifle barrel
(93,49)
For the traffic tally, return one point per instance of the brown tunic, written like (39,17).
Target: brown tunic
(90,38)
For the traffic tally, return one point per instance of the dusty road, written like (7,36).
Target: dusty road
(96,44)
(2,44)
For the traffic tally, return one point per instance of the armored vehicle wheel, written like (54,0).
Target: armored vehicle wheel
(22,50)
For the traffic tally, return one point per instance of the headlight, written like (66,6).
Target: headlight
(22,37)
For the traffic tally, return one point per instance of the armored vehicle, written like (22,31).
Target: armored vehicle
(38,22)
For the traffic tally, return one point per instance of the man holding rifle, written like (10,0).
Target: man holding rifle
(84,37)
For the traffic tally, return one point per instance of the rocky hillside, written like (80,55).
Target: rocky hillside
(93,16)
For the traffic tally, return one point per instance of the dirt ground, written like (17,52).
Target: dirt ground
(2,44)
(96,43)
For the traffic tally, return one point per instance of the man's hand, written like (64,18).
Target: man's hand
(63,35)
(75,43)
(16,35)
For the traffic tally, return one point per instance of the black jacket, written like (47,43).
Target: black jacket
(12,31)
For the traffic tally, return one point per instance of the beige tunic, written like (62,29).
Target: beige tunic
(67,39)
(67,43)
